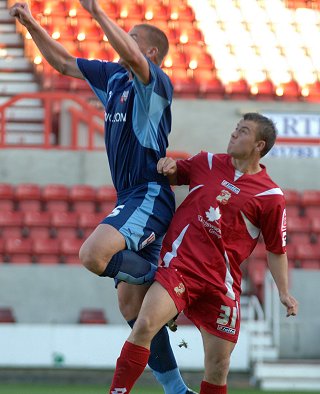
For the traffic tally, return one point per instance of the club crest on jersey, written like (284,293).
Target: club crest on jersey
(124,96)
(224,197)
(180,289)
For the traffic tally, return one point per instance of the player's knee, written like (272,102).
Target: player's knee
(218,370)
(90,261)
(144,329)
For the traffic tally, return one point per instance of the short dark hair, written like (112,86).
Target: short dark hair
(266,130)
(157,38)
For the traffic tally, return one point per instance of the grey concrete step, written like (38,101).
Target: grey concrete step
(10,38)
(25,114)
(291,376)
(25,129)
(12,51)
(15,64)
(15,77)
(7,27)
(4,15)
(20,137)
(18,87)
(23,102)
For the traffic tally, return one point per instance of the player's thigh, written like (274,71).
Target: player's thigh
(102,243)
(156,310)
(130,299)
(217,357)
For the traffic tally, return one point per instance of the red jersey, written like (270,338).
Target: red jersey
(218,224)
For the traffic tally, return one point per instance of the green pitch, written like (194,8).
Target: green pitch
(47,389)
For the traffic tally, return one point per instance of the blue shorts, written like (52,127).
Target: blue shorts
(142,215)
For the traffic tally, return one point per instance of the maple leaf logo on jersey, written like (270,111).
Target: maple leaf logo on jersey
(224,197)
(213,214)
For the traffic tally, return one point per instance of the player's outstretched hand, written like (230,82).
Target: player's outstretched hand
(167,166)
(290,303)
(21,12)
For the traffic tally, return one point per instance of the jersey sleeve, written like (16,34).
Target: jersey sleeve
(97,73)
(184,168)
(273,224)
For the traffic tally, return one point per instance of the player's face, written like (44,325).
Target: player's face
(140,36)
(243,141)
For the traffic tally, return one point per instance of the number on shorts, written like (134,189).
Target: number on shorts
(116,211)
(225,314)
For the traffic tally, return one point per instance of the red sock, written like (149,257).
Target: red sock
(130,365)
(208,388)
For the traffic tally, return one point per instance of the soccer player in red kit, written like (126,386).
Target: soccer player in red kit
(231,201)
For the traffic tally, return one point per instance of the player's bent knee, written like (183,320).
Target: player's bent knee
(144,329)
(89,260)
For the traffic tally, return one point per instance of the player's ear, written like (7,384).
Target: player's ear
(152,52)
(260,145)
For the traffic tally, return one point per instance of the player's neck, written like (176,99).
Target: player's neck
(246,166)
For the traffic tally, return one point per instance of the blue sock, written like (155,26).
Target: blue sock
(129,267)
(163,363)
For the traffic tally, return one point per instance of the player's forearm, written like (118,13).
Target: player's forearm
(52,51)
(122,43)
(278,265)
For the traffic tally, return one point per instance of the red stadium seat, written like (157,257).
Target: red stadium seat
(263,91)
(6,197)
(92,316)
(310,200)
(46,250)
(209,85)
(37,224)
(293,202)
(83,198)
(28,197)
(238,90)
(89,221)
(56,197)
(18,250)
(298,225)
(6,315)
(70,250)
(64,224)
(308,255)
(106,197)
(11,223)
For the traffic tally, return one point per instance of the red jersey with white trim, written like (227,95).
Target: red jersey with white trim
(218,224)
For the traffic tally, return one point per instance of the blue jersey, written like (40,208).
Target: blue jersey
(137,120)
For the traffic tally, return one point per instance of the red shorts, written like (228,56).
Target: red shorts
(202,302)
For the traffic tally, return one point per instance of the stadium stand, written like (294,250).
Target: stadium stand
(92,316)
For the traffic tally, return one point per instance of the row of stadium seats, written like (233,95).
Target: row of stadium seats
(86,316)
(15,194)
(55,197)
(235,63)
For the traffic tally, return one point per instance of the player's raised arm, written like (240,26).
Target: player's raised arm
(123,43)
(278,265)
(52,51)
(168,167)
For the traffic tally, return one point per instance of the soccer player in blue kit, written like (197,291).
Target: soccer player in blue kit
(137,97)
